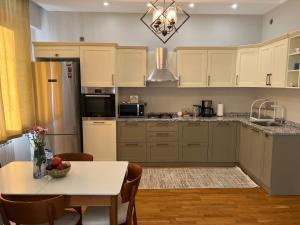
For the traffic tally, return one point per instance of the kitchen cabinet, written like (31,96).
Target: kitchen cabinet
(132,151)
(267,160)
(132,132)
(221,68)
(222,142)
(98,66)
(192,68)
(131,67)
(265,65)
(56,51)
(163,152)
(193,141)
(247,67)
(99,139)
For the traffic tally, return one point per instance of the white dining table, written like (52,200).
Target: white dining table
(96,183)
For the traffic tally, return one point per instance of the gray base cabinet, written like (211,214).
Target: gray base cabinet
(162,152)
(193,152)
(222,142)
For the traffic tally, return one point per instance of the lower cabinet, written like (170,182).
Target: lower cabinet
(134,152)
(222,142)
(193,152)
(163,152)
(256,153)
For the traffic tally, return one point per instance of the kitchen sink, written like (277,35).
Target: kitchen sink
(267,124)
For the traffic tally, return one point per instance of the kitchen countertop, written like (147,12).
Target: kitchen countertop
(289,128)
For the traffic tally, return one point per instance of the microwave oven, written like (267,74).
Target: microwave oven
(98,102)
(131,110)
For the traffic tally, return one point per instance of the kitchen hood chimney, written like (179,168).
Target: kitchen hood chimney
(162,73)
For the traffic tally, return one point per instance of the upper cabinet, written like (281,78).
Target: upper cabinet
(59,51)
(273,64)
(192,68)
(131,67)
(221,68)
(98,66)
(247,67)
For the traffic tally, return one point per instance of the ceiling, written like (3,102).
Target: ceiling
(245,7)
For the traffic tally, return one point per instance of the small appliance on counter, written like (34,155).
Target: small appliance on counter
(205,109)
(127,109)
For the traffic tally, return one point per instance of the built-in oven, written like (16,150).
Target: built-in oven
(98,102)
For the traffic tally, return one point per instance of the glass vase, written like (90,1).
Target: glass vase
(39,163)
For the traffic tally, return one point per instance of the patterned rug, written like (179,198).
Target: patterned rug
(195,177)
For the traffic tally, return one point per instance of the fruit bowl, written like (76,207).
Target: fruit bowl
(58,172)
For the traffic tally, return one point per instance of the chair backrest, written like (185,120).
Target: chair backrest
(32,212)
(75,157)
(130,187)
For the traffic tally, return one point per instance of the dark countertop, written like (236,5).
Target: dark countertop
(289,128)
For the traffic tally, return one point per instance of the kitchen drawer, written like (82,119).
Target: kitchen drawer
(56,51)
(193,152)
(193,131)
(155,136)
(133,152)
(162,126)
(131,132)
(163,152)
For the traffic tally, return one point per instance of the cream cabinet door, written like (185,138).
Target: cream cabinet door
(131,67)
(221,68)
(247,67)
(97,66)
(265,65)
(56,51)
(99,139)
(192,68)
(280,59)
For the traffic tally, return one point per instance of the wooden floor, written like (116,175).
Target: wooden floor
(216,207)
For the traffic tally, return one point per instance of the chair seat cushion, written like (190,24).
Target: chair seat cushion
(98,215)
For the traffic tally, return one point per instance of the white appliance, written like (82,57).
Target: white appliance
(100,139)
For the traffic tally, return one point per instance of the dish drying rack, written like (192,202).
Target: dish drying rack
(265,110)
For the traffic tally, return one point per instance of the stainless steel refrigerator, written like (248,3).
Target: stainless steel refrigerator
(57,94)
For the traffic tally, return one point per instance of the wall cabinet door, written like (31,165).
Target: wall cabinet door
(222,142)
(97,66)
(192,68)
(131,67)
(280,59)
(265,65)
(221,68)
(247,67)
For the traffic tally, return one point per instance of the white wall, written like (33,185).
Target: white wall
(286,18)
(35,13)
(127,29)
(160,99)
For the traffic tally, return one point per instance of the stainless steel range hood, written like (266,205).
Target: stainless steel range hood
(162,73)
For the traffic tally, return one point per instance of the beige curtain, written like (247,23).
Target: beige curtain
(16,92)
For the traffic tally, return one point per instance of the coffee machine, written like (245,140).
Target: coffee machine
(207,109)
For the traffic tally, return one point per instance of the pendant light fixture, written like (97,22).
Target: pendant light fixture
(164,18)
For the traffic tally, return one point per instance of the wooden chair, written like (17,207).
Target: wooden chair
(75,157)
(43,211)
(126,202)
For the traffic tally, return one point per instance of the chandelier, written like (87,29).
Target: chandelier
(164,19)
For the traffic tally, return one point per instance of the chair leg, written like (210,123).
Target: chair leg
(134,215)
(79,210)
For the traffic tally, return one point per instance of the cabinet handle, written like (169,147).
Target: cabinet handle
(208,80)
(267,80)
(193,144)
(135,145)
(162,144)
(56,54)
(270,75)
(236,80)
(179,81)
(131,124)
(113,79)
(162,134)
(98,122)
(144,80)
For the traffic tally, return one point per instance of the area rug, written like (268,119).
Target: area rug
(195,177)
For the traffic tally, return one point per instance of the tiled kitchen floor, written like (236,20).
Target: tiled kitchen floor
(216,207)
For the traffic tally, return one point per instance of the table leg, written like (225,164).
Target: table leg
(113,211)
